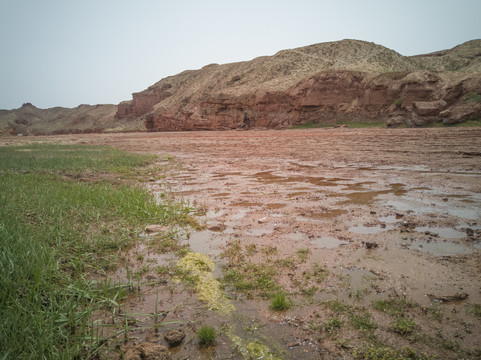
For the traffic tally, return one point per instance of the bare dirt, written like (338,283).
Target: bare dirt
(386,213)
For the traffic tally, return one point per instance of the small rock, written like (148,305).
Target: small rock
(151,179)
(148,351)
(150,229)
(174,337)
(262,221)
(370,245)
(217,228)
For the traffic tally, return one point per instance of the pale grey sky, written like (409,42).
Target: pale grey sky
(72,52)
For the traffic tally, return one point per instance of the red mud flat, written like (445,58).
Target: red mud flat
(388,214)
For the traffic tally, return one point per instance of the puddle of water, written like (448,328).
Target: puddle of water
(326,214)
(296,194)
(444,232)
(301,165)
(328,242)
(390,219)
(369,197)
(221,195)
(205,242)
(419,207)
(438,248)
(320,181)
(246,204)
(239,215)
(359,278)
(184,192)
(275,206)
(211,214)
(297,236)
(369,230)
(259,232)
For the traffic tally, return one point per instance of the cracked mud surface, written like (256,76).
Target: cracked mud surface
(388,214)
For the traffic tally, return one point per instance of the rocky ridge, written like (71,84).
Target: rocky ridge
(30,120)
(333,82)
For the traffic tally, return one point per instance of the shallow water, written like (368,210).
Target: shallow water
(328,242)
(444,232)
(440,248)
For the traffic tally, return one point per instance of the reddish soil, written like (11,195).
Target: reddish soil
(391,214)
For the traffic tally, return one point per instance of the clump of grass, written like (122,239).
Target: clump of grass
(332,325)
(475,310)
(362,320)
(398,102)
(373,352)
(280,302)
(206,335)
(393,307)
(472,97)
(302,254)
(338,306)
(403,326)
(253,279)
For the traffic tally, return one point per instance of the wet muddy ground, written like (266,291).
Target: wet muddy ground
(340,219)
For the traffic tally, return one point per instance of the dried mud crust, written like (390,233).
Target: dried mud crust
(388,215)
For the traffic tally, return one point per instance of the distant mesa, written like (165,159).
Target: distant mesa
(329,83)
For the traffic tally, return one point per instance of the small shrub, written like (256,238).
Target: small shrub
(398,102)
(403,326)
(475,310)
(280,302)
(332,325)
(337,306)
(386,353)
(393,307)
(363,321)
(206,335)
(472,97)
(302,254)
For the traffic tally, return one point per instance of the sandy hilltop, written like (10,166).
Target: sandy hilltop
(331,83)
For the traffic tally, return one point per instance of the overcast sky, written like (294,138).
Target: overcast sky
(72,52)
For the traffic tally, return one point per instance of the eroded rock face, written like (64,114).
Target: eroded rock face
(325,83)
(327,97)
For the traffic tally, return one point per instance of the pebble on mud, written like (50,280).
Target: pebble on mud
(147,351)
(174,337)
(151,229)
(370,245)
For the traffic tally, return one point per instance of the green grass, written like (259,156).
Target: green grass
(362,320)
(280,302)
(73,158)
(475,310)
(206,335)
(472,97)
(58,237)
(393,307)
(387,353)
(403,326)
(332,325)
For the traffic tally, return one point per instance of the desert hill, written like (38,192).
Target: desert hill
(30,120)
(342,81)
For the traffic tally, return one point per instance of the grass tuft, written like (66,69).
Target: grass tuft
(206,335)
(280,302)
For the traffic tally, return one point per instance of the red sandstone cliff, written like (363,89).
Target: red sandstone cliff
(333,82)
